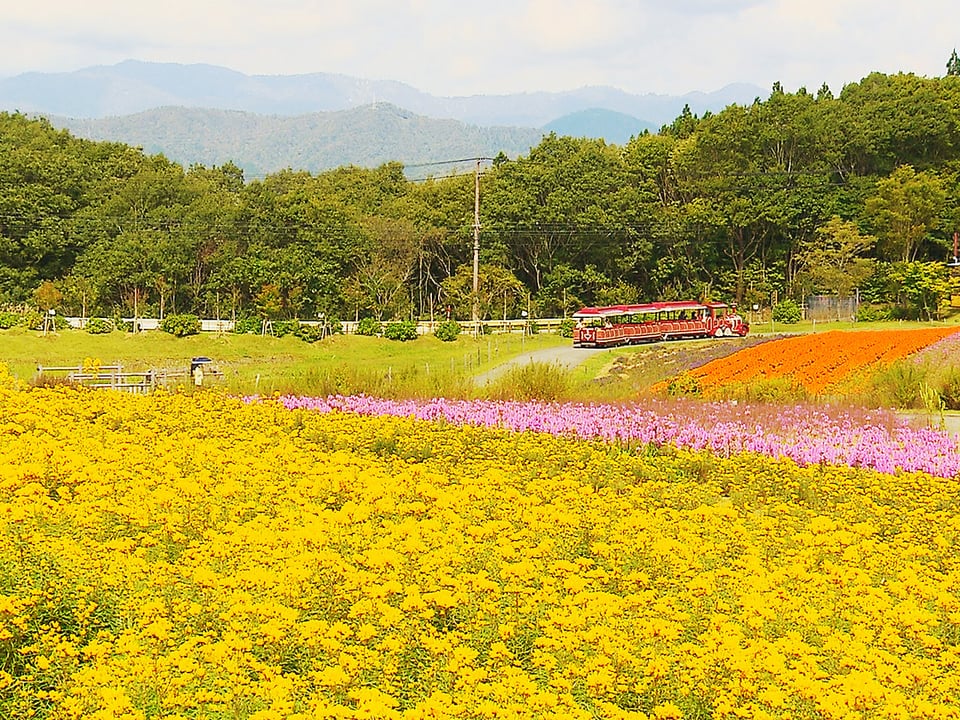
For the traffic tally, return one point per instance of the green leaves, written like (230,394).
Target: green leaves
(907,205)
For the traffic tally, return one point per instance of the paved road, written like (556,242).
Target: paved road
(949,421)
(566,356)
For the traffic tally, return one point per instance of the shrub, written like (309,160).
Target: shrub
(869,312)
(448,330)
(120,324)
(777,391)
(787,311)
(248,326)
(546,382)
(99,326)
(33,320)
(950,389)
(334,326)
(9,319)
(901,312)
(180,325)
(403,330)
(683,385)
(566,327)
(284,327)
(900,384)
(308,333)
(369,326)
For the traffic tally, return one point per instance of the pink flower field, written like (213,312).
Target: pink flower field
(804,433)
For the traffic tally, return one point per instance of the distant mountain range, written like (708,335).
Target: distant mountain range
(207,114)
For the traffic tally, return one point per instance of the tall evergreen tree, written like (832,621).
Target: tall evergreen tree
(953,64)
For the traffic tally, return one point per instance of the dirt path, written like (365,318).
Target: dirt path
(566,356)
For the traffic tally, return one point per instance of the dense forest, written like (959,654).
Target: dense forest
(800,193)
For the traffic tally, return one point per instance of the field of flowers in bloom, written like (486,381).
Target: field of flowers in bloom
(807,434)
(815,361)
(196,556)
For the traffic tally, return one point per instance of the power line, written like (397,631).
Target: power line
(451,162)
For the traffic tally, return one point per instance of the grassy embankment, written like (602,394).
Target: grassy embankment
(422,368)
(425,367)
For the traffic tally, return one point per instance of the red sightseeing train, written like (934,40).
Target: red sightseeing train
(627,324)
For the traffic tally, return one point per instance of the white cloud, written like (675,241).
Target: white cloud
(499,46)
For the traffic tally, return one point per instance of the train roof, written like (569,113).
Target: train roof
(646,308)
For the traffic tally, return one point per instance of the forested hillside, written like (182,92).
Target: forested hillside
(261,144)
(797,193)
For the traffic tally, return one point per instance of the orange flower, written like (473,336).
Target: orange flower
(816,361)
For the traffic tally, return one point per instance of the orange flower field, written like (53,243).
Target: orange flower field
(817,361)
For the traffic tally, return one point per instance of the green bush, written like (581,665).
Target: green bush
(180,325)
(869,312)
(32,320)
(9,319)
(566,327)
(547,382)
(950,389)
(900,384)
(99,326)
(334,327)
(787,311)
(369,326)
(120,324)
(309,333)
(448,330)
(403,330)
(248,326)
(902,312)
(777,391)
(284,327)
(683,385)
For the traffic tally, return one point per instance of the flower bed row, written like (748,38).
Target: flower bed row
(816,361)
(804,433)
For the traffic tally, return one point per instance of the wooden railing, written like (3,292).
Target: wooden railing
(114,377)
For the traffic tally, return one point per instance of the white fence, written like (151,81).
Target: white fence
(350,326)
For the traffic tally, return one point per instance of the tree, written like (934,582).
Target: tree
(835,260)
(571,201)
(953,64)
(381,280)
(47,296)
(567,289)
(269,305)
(683,126)
(499,291)
(906,206)
(79,293)
(923,287)
(209,231)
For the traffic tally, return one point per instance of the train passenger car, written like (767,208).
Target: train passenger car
(651,322)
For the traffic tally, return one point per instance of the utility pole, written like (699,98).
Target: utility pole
(476,250)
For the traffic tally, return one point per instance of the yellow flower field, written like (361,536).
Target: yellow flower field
(191,556)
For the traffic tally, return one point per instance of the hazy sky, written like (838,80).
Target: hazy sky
(449,47)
